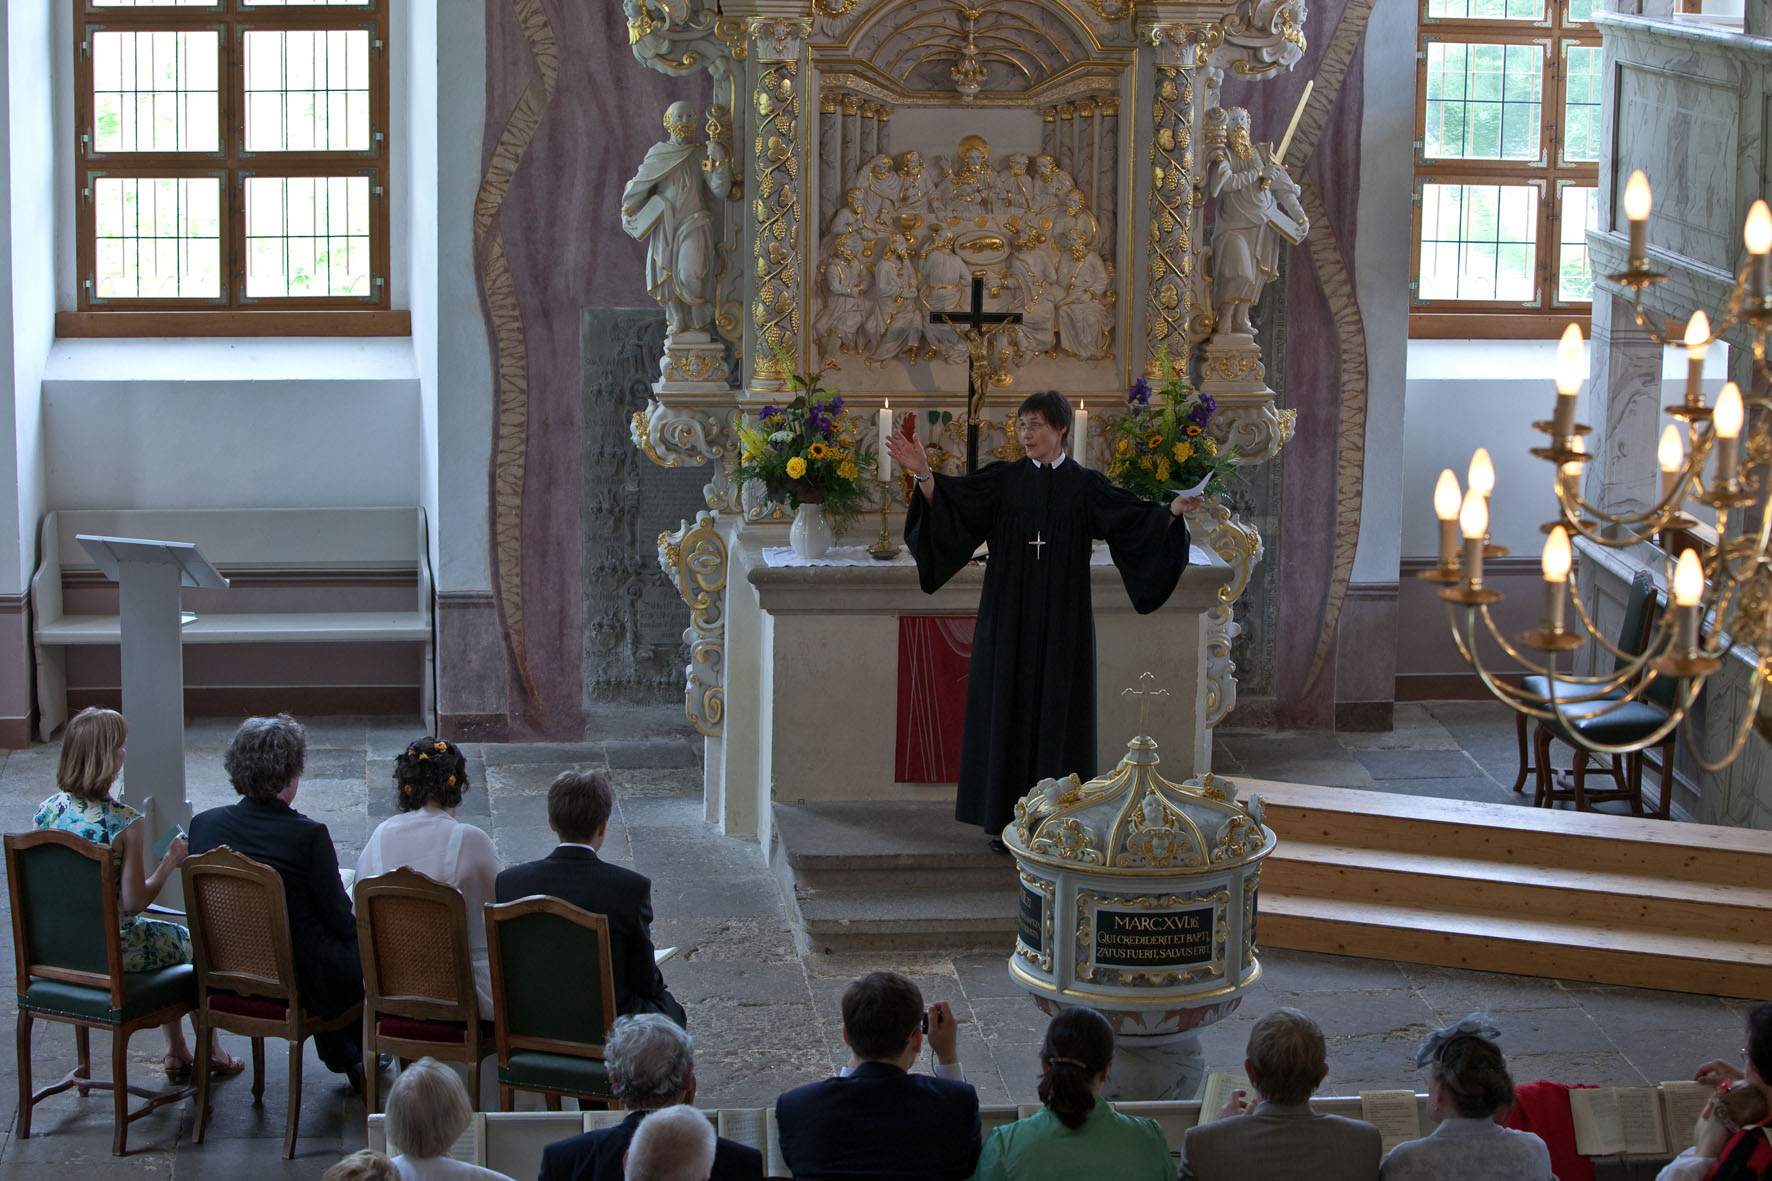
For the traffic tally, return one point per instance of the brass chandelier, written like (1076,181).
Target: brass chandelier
(1703,458)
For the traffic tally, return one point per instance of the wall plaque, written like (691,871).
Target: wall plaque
(1031,923)
(1154,940)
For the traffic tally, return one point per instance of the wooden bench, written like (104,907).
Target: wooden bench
(292,568)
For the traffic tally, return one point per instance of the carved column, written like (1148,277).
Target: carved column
(830,148)
(779,253)
(1107,178)
(1174,287)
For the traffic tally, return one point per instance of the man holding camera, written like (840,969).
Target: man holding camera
(877,1120)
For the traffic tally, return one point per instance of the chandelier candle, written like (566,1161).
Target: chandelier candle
(1688,589)
(1636,207)
(1446,498)
(1726,421)
(1672,456)
(1555,563)
(1473,521)
(1697,345)
(1569,377)
(1758,236)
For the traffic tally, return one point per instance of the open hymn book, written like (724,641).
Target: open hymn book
(1218,1088)
(1613,1120)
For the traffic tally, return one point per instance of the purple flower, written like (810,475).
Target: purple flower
(1203,409)
(836,405)
(768,412)
(1140,393)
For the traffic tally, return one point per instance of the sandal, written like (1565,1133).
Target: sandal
(226,1067)
(178,1070)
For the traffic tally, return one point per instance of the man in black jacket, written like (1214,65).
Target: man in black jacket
(651,1067)
(579,804)
(879,1121)
(264,763)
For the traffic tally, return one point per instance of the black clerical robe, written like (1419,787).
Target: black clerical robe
(1030,699)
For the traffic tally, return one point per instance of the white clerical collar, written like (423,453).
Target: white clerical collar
(1055,463)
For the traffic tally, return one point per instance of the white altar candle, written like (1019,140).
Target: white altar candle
(885,432)
(1080,436)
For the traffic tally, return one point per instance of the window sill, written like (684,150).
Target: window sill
(196,359)
(241,322)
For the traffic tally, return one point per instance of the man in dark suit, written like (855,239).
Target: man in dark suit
(264,763)
(651,1066)
(1281,1137)
(579,804)
(880,1121)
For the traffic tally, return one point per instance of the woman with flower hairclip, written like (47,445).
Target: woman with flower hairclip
(430,777)
(1468,1087)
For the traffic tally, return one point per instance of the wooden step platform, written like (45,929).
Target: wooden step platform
(1498,888)
(1494,887)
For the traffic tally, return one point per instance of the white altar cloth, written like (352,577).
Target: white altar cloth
(857,555)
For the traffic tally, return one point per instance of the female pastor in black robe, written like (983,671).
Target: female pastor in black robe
(1030,697)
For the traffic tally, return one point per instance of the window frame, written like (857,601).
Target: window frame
(1550,173)
(233,312)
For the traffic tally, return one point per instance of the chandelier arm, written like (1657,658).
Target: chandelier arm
(1512,696)
(1593,632)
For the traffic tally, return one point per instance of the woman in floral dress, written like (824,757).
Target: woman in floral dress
(91,758)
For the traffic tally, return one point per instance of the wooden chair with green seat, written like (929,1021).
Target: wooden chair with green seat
(418,977)
(63,891)
(553,999)
(1633,635)
(246,978)
(1628,724)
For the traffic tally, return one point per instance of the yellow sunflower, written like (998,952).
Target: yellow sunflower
(816,451)
(796,468)
(1156,441)
(1183,451)
(1193,428)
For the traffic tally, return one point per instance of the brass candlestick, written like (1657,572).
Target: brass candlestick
(884,549)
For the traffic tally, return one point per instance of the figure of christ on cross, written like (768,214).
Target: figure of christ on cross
(970,327)
(1030,693)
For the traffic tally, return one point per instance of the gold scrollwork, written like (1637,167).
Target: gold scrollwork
(1169,305)
(777,251)
(695,560)
(833,9)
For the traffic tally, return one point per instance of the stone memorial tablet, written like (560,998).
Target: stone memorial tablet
(1031,923)
(1149,940)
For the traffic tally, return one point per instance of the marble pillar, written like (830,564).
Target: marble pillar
(1622,403)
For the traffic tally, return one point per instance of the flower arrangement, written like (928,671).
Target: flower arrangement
(805,452)
(1159,449)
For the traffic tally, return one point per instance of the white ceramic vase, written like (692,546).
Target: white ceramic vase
(810,534)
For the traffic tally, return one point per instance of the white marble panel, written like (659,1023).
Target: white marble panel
(1682,131)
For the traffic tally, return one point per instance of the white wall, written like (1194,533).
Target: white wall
(1382,278)
(1465,394)
(28,321)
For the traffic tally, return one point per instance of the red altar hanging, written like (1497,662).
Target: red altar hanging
(934,654)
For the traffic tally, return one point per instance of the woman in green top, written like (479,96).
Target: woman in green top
(1077,1134)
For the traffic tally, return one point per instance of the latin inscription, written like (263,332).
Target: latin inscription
(1031,925)
(1141,939)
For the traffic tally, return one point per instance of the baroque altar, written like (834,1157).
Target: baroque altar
(869,171)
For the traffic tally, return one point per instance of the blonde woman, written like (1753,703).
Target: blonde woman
(427,1113)
(91,759)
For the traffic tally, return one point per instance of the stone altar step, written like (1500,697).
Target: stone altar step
(1576,895)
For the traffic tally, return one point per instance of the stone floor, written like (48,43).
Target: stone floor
(765,1020)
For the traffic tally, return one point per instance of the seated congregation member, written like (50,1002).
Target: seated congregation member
(651,1067)
(430,777)
(363,1165)
(1077,1133)
(1279,1136)
(264,763)
(427,1113)
(1733,1143)
(881,1122)
(1468,1087)
(676,1144)
(579,805)
(91,758)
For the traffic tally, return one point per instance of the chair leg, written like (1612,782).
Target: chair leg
(258,1072)
(1580,770)
(1525,766)
(371,1076)
(294,1117)
(203,1074)
(551,1099)
(1541,742)
(505,1097)
(120,1090)
(1633,780)
(1667,779)
(83,1053)
(25,1102)
(473,1081)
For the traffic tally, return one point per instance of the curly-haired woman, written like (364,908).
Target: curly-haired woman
(430,777)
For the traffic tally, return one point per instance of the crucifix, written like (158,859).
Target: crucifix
(970,327)
(1039,543)
(1144,695)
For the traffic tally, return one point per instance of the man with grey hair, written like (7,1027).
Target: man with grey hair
(677,1144)
(1280,1137)
(651,1067)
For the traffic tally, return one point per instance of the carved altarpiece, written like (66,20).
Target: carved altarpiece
(884,153)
